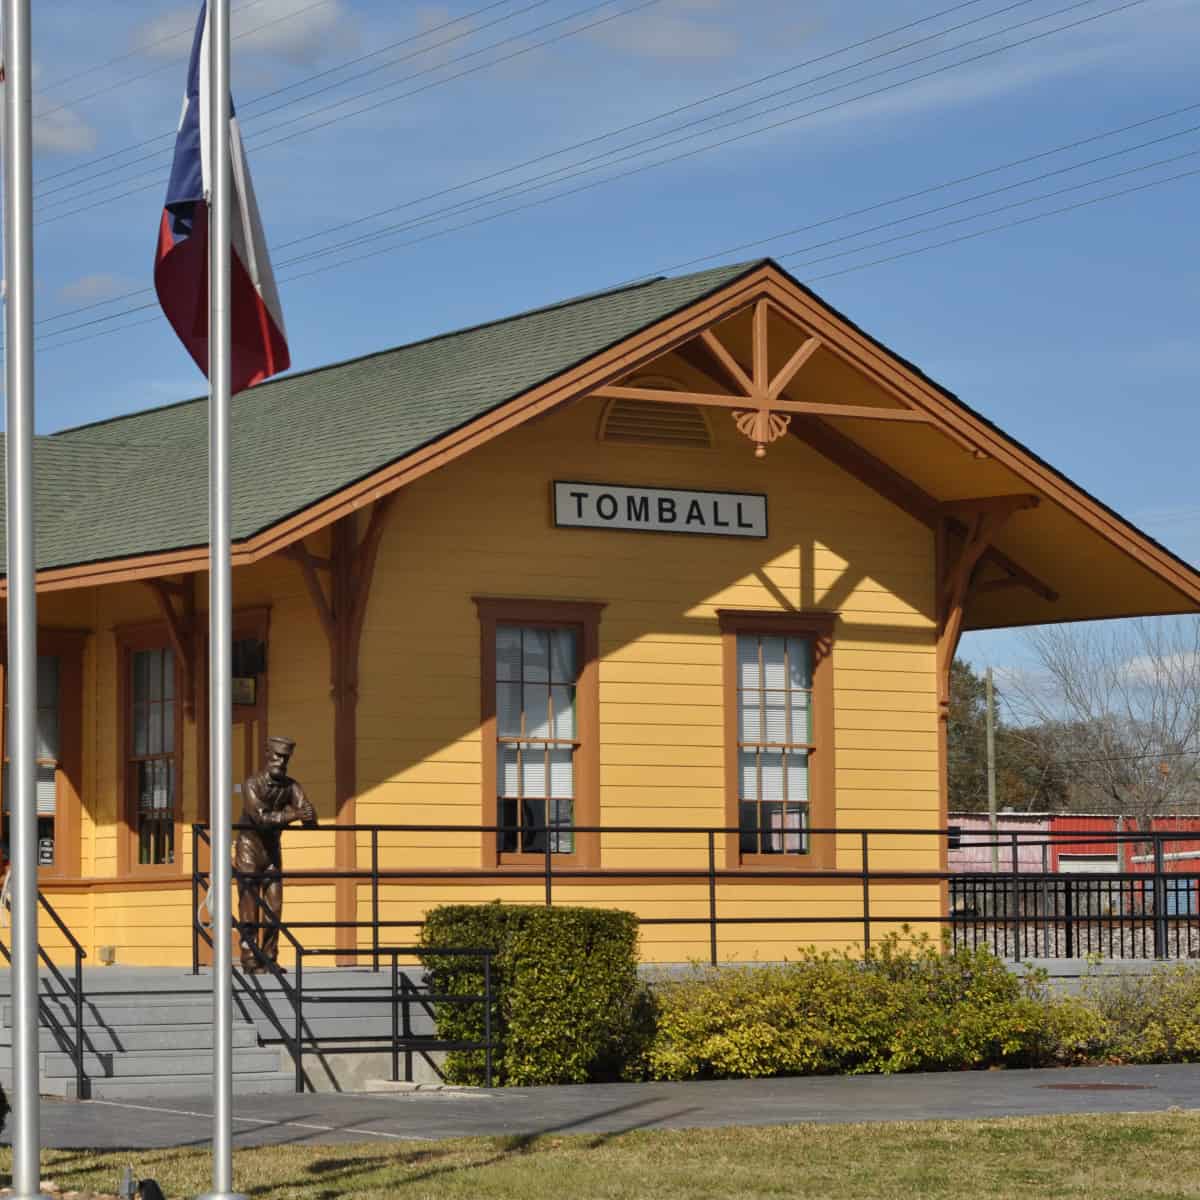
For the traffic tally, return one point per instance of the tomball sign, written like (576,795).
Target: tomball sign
(659,510)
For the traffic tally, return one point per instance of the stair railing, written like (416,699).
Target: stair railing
(72,990)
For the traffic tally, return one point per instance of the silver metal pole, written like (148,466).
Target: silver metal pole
(991,771)
(22,597)
(220,595)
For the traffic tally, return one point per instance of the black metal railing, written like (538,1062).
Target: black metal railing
(71,990)
(1026,909)
(399,991)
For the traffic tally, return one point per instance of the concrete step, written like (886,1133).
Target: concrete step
(142,1087)
(157,1063)
(126,1010)
(134,1038)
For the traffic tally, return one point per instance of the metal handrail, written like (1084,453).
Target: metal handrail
(867,874)
(74,990)
(400,996)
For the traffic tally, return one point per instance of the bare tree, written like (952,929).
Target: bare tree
(1117,708)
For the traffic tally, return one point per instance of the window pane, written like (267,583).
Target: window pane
(784,824)
(562,655)
(508,709)
(748,774)
(141,729)
(47,732)
(797,777)
(154,721)
(508,819)
(536,657)
(562,773)
(562,815)
(775,715)
(801,718)
(533,771)
(748,827)
(141,675)
(537,710)
(800,662)
(506,770)
(168,720)
(749,717)
(154,668)
(168,669)
(774,673)
(564,712)
(771,768)
(47,681)
(508,652)
(45,789)
(747,658)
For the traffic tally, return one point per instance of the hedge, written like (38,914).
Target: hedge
(565,990)
(903,1006)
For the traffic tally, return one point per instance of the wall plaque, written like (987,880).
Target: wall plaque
(659,510)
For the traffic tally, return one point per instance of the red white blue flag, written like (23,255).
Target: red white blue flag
(258,339)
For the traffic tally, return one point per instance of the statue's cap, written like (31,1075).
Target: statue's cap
(284,745)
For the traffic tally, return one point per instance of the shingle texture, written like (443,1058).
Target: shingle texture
(138,484)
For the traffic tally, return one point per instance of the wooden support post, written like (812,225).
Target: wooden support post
(351,567)
(181,629)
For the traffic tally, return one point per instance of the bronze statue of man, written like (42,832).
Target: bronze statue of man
(270,800)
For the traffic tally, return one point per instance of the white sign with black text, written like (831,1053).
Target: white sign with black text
(659,510)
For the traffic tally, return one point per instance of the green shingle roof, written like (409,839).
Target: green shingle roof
(138,484)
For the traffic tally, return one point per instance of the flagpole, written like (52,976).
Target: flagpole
(220,595)
(22,598)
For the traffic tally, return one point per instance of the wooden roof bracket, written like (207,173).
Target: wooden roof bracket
(181,629)
(983,517)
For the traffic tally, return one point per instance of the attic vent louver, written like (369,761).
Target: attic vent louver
(649,423)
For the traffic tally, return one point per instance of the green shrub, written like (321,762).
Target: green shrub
(566,1001)
(900,1007)
(1149,1018)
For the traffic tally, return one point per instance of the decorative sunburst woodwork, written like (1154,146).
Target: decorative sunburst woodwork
(762,427)
(760,410)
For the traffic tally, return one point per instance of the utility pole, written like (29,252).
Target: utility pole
(991,772)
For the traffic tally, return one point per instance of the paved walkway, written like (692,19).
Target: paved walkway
(615,1108)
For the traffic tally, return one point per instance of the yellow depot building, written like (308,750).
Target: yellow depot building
(653,591)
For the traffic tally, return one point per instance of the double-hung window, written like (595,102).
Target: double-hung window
(151,751)
(540,730)
(536,736)
(774,708)
(779,737)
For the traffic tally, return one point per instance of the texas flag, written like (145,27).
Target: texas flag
(258,340)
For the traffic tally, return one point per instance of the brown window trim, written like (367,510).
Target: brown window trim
(152,636)
(584,616)
(818,627)
(67,645)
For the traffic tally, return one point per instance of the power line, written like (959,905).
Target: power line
(184,31)
(992,229)
(586,142)
(479,202)
(168,66)
(170,133)
(152,179)
(1009,225)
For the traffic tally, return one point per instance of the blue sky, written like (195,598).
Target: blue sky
(1076,333)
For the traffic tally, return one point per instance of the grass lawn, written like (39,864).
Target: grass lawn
(1097,1158)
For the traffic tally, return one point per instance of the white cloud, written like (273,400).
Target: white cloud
(101,286)
(676,29)
(297,30)
(63,132)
